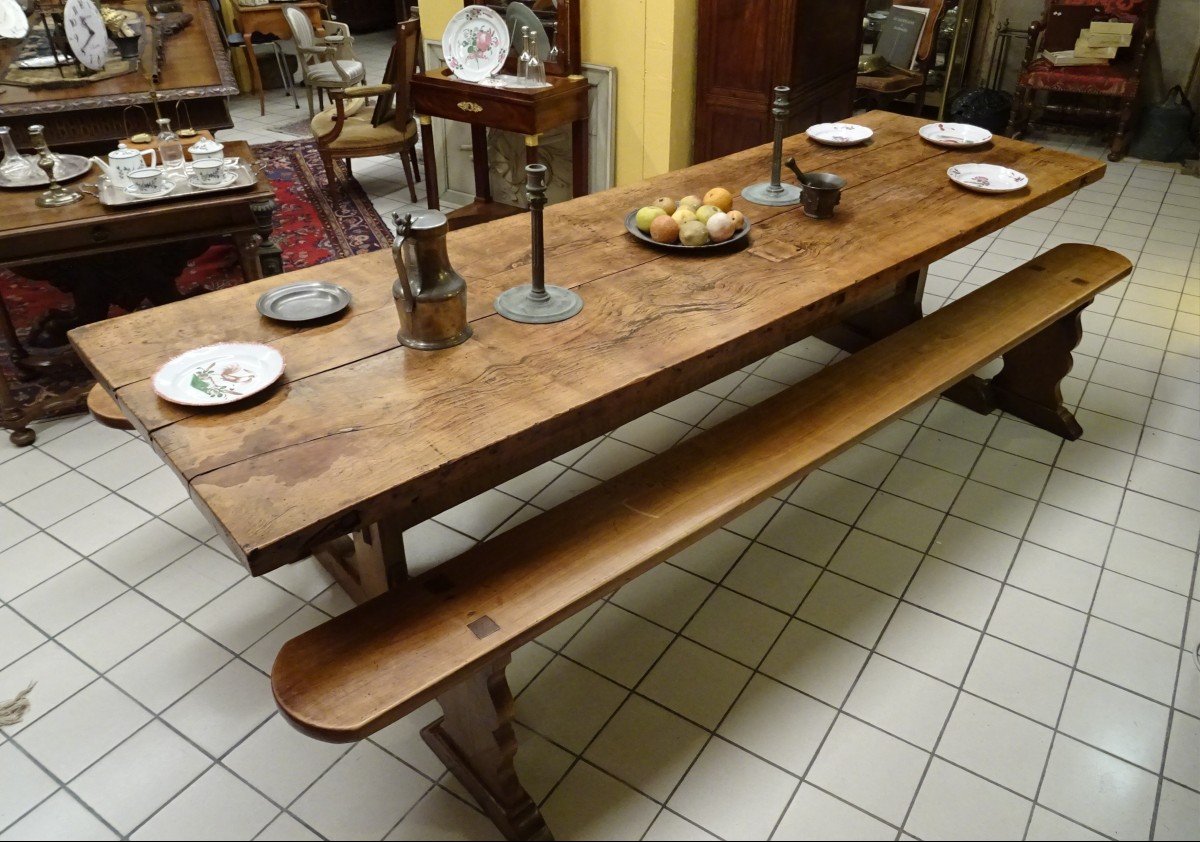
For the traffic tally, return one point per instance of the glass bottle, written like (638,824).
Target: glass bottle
(526,48)
(13,165)
(170,150)
(535,70)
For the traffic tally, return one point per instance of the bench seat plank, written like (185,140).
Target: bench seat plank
(359,672)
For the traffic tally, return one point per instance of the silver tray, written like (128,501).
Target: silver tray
(113,196)
(303,301)
(66,168)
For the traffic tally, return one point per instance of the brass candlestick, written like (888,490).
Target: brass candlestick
(56,195)
(775,192)
(536,303)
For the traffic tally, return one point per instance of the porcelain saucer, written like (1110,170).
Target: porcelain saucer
(987,178)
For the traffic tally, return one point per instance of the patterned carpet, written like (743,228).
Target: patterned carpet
(310,228)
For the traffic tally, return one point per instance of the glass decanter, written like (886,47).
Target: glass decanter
(526,49)
(534,74)
(170,150)
(13,165)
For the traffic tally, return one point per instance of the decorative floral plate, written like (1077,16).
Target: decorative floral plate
(954,135)
(218,374)
(987,178)
(475,43)
(839,134)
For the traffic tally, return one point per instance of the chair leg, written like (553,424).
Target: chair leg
(289,84)
(321,98)
(349,169)
(1120,141)
(1019,118)
(330,174)
(408,173)
(412,157)
(308,93)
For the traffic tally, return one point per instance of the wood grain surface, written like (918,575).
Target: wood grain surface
(357,673)
(361,427)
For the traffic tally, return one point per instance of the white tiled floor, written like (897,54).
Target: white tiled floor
(962,628)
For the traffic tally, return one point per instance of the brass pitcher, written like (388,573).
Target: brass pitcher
(431,297)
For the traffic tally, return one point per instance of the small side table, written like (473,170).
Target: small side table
(438,93)
(88,229)
(268,19)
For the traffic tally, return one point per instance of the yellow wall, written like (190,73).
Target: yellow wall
(652,44)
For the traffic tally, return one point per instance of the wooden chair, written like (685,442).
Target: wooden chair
(348,129)
(325,67)
(880,89)
(1117,82)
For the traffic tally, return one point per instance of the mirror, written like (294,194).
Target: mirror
(557,23)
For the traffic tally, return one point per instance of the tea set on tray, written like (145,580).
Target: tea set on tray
(132,176)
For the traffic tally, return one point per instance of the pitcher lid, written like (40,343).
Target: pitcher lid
(422,221)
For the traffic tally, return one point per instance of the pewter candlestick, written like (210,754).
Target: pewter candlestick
(536,303)
(775,192)
(56,195)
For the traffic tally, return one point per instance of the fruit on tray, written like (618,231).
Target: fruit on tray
(720,227)
(693,233)
(720,197)
(646,216)
(664,229)
(691,221)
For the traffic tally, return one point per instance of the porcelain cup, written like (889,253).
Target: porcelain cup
(209,172)
(147,180)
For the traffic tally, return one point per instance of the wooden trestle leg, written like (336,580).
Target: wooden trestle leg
(475,739)
(1029,385)
(367,563)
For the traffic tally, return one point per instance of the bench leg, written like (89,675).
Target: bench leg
(1029,384)
(476,741)
(367,563)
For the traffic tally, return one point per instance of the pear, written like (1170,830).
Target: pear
(693,233)
(739,220)
(683,214)
(705,211)
(692,202)
(666,203)
(646,216)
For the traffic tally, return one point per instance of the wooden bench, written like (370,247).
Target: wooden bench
(448,634)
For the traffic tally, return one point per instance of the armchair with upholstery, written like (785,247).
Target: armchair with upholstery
(350,128)
(1118,81)
(324,66)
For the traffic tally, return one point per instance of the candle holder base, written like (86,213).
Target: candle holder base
(766,193)
(520,305)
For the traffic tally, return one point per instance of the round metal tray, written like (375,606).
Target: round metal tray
(733,242)
(303,301)
(67,168)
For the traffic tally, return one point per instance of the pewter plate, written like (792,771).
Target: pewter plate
(66,168)
(303,301)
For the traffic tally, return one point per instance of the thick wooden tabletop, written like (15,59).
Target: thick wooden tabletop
(361,428)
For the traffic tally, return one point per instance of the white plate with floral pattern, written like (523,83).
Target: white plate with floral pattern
(839,134)
(218,374)
(476,43)
(954,135)
(987,178)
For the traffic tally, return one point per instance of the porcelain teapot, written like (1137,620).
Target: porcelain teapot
(205,149)
(123,160)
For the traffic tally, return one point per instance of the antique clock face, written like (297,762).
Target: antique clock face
(86,33)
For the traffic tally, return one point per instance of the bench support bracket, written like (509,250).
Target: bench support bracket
(1029,385)
(476,741)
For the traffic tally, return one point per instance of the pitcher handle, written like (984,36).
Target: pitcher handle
(403,227)
(153,157)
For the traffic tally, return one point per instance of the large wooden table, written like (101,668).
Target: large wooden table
(368,437)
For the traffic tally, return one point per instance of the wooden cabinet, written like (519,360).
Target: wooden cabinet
(746,48)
